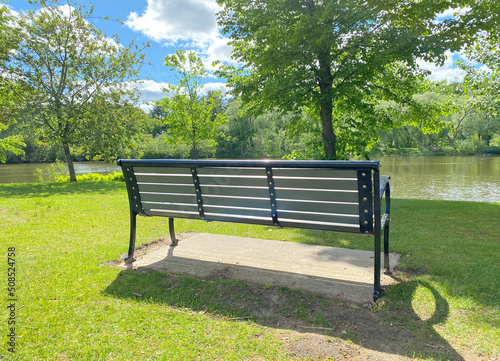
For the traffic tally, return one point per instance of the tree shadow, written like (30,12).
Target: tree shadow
(390,329)
(399,308)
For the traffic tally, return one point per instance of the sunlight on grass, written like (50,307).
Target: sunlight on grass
(423,303)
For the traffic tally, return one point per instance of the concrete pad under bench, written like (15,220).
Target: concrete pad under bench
(330,271)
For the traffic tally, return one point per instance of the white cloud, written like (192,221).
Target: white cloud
(186,24)
(448,71)
(218,50)
(150,90)
(215,87)
(447,14)
(11,10)
(172,21)
(452,13)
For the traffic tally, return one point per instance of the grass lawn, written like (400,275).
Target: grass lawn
(72,304)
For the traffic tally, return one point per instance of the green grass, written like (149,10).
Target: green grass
(73,305)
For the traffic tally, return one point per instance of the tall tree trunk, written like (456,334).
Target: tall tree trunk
(326,89)
(327,133)
(69,160)
(194,151)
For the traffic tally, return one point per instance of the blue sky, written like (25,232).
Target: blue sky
(184,24)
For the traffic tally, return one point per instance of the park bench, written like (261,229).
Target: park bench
(339,196)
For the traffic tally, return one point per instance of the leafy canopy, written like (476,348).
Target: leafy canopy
(14,143)
(74,81)
(482,83)
(188,114)
(340,58)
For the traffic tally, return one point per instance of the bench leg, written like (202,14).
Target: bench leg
(173,239)
(130,257)
(377,290)
(387,268)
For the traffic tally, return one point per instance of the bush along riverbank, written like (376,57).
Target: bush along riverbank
(434,151)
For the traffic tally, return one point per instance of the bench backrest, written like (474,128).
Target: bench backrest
(326,195)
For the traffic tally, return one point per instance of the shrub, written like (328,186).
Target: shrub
(492,150)
(471,146)
(95,177)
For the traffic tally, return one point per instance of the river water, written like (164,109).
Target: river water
(446,177)
(27,172)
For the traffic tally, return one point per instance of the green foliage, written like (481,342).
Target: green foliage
(188,115)
(267,135)
(54,171)
(471,146)
(74,82)
(94,177)
(164,146)
(13,143)
(464,128)
(340,59)
(495,142)
(238,136)
(482,84)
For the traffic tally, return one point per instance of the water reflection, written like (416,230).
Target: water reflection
(448,178)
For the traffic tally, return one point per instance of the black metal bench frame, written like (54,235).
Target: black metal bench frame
(339,196)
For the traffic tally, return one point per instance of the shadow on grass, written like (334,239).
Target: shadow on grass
(284,308)
(400,309)
(27,190)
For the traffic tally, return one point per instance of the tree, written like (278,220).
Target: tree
(188,114)
(340,58)
(74,81)
(156,115)
(482,83)
(8,107)
(481,88)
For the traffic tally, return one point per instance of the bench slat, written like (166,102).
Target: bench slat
(173,207)
(219,180)
(231,171)
(315,195)
(315,173)
(320,217)
(166,188)
(173,214)
(235,191)
(162,170)
(172,198)
(238,211)
(265,221)
(325,207)
(313,183)
(165,178)
(236,202)
(340,227)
